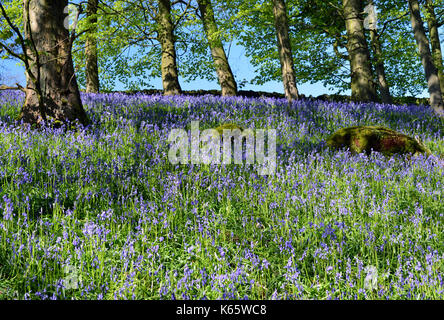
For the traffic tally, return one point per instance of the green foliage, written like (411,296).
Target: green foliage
(319,43)
(123,44)
(194,43)
(129,51)
(14,10)
(128,48)
(252,25)
(401,60)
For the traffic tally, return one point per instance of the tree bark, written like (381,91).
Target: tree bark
(435,42)
(383,86)
(431,73)
(170,78)
(223,70)
(91,67)
(51,85)
(284,48)
(362,85)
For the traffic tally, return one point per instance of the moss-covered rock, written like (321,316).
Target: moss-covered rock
(228,126)
(366,138)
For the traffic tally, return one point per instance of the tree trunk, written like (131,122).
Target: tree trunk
(284,47)
(223,70)
(51,85)
(430,70)
(91,67)
(436,44)
(362,85)
(383,86)
(384,89)
(170,78)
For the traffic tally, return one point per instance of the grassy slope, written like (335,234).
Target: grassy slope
(101,213)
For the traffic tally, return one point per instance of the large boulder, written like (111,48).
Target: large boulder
(366,138)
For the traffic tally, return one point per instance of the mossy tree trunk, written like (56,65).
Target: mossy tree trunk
(362,84)
(435,42)
(430,70)
(170,78)
(51,86)
(284,48)
(223,70)
(91,67)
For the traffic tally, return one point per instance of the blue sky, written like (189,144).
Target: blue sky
(12,73)
(242,69)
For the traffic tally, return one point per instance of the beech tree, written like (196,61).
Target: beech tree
(51,90)
(362,85)
(433,25)
(91,65)
(170,76)
(136,41)
(293,41)
(383,86)
(431,73)
(223,70)
(284,48)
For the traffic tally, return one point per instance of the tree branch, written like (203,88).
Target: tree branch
(73,35)
(338,9)
(386,23)
(183,12)
(19,35)
(19,87)
(12,53)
